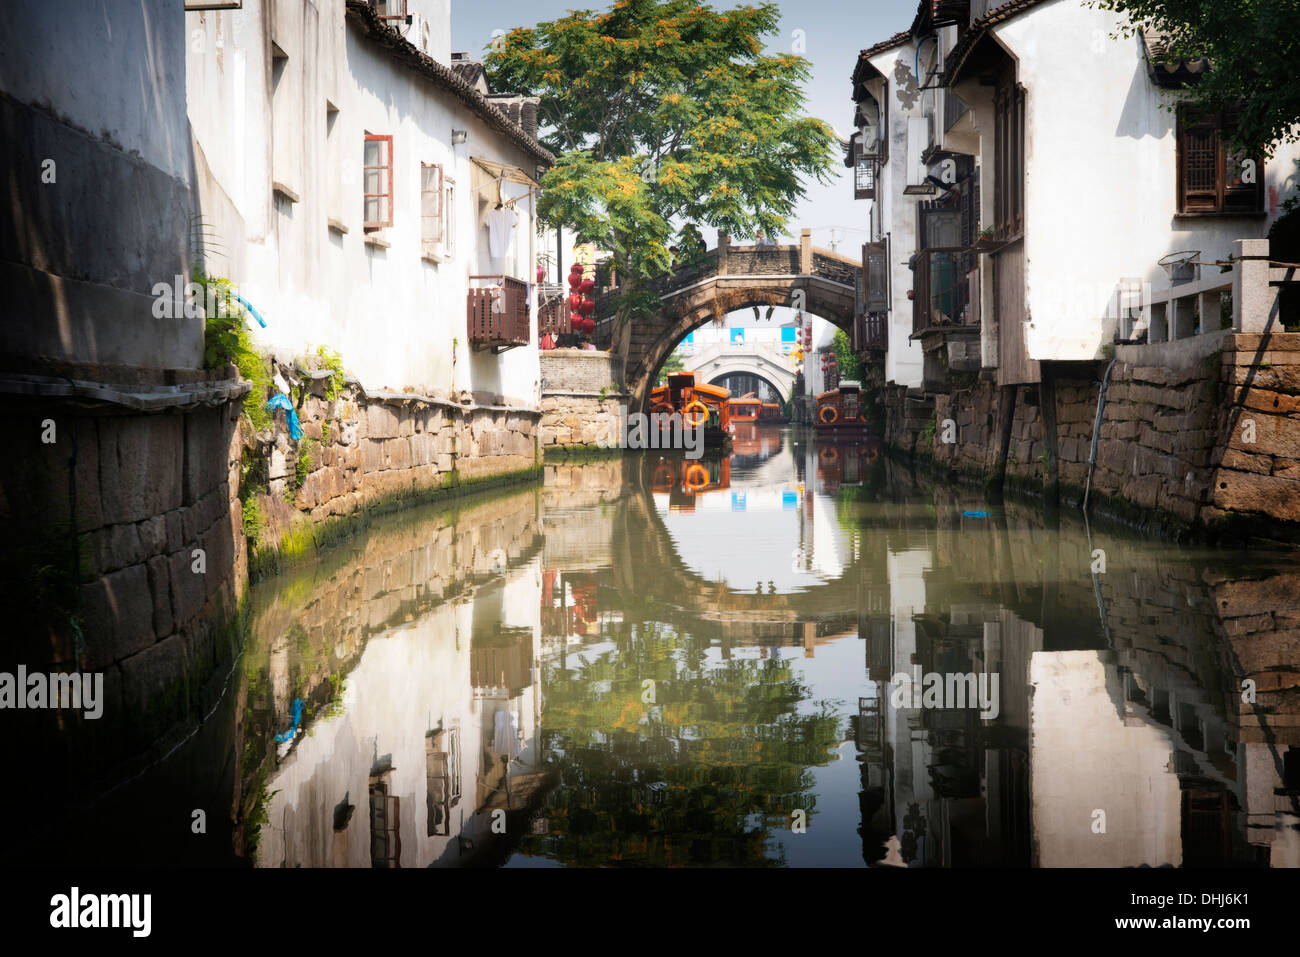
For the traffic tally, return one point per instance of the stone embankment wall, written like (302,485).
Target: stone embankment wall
(361,451)
(583,397)
(124,556)
(1200,434)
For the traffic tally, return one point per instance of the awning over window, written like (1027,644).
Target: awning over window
(489,171)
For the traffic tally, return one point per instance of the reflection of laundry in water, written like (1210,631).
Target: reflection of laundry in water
(505,733)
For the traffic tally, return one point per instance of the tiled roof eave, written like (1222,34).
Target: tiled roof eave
(361,15)
(978,29)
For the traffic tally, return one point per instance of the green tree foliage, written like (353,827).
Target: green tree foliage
(705,775)
(1253,47)
(849,365)
(672,364)
(665,114)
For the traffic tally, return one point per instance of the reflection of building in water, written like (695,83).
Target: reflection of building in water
(1121,734)
(436,731)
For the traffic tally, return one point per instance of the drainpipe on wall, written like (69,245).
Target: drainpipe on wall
(1096,434)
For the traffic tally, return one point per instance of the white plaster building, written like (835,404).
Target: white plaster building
(347,164)
(1033,119)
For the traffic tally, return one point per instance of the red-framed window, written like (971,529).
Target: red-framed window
(390,9)
(377,178)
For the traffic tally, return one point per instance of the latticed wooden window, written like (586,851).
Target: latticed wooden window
(1212,177)
(864,173)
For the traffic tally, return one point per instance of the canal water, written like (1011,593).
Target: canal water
(794,655)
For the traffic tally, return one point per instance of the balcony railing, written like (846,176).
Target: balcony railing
(552,311)
(941,289)
(875,332)
(497,313)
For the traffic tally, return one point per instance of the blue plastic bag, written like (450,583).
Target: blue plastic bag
(282,402)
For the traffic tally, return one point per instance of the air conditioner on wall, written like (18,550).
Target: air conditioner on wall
(419,33)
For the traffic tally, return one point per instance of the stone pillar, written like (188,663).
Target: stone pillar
(1254,301)
(724,243)
(805,251)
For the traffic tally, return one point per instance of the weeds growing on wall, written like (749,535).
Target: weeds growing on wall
(227,341)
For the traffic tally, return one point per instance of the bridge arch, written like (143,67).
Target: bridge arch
(762,360)
(717,378)
(724,280)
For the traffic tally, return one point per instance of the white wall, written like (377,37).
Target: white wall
(897,217)
(397,319)
(1101,169)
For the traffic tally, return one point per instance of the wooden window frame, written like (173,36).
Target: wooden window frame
(863,161)
(369,224)
(432,224)
(388,4)
(1224,199)
(883,154)
(449,221)
(875,260)
(1009,160)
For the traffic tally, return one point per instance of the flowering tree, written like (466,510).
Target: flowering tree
(665,115)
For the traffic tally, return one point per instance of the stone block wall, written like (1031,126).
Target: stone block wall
(1189,439)
(583,398)
(124,557)
(359,451)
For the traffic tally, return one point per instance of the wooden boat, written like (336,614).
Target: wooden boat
(697,404)
(839,464)
(841,414)
(771,412)
(683,479)
(746,408)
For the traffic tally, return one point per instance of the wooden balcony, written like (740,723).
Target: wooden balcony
(552,311)
(941,289)
(497,313)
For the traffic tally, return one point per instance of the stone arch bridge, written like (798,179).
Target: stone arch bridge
(723,280)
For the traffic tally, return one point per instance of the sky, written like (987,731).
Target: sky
(833,31)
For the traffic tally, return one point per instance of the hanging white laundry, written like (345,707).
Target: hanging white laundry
(501,231)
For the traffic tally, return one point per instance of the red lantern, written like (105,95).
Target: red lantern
(586,307)
(587,286)
(574,280)
(575,269)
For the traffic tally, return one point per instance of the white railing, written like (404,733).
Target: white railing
(1236,294)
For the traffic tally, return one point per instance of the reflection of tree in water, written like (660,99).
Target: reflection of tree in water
(699,776)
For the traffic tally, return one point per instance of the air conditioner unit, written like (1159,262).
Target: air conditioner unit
(420,33)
